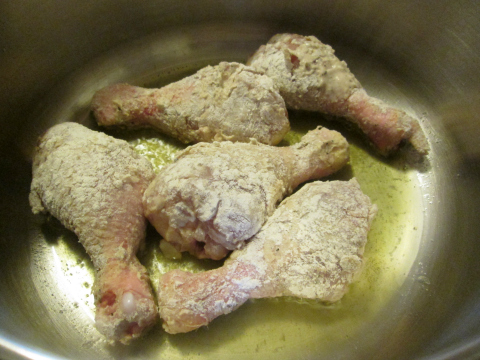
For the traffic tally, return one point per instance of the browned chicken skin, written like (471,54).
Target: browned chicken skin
(94,184)
(311,247)
(215,196)
(310,77)
(229,101)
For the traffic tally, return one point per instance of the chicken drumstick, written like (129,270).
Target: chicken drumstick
(94,184)
(225,102)
(217,195)
(311,247)
(310,77)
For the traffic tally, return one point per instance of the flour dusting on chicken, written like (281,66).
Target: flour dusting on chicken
(311,247)
(93,184)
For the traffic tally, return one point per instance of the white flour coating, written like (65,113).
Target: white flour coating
(217,195)
(94,184)
(316,248)
(310,77)
(88,181)
(311,247)
(229,101)
(307,72)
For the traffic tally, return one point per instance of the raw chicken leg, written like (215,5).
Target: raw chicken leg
(216,196)
(310,77)
(311,247)
(225,102)
(94,184)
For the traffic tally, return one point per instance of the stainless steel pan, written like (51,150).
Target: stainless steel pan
(418,296)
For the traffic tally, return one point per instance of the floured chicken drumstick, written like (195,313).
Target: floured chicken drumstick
(225,102)
(94,184)
(217,195)
(310,77)
(311,247)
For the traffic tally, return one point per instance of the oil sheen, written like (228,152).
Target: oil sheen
(284,325)
(264,324)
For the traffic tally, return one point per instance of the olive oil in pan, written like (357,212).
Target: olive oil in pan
(285,325)
(391,249)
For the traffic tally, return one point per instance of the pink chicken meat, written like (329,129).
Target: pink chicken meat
(229,101)
(215,196)
(310,77)
(94,184)
(311,247)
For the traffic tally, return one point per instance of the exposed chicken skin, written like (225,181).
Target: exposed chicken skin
(311,247)
(94,184)
(225,102)
(310,77)
(217,195)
